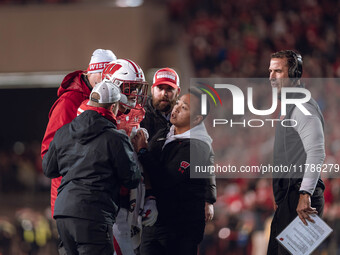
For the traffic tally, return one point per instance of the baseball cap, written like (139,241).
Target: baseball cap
(100,58)
(107,91)
(166,76)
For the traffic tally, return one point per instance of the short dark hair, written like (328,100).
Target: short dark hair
(198,93)
(294,62)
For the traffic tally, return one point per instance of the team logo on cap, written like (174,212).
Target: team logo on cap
(168,75)
(97,66)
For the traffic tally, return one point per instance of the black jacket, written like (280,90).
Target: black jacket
(94,159)
(153,120)
(180,199)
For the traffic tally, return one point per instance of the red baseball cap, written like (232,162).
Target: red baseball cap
(166,76)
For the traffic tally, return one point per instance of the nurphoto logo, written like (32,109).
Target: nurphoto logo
(238,99)
(216,91)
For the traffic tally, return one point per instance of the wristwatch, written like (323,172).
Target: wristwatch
(303,192)
(142,151)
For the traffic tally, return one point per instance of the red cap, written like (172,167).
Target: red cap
(166,76)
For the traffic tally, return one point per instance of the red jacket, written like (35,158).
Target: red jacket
(72,92)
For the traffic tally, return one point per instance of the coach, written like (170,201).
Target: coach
(94,160)
(299,193)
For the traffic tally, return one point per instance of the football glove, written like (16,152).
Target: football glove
(150,212)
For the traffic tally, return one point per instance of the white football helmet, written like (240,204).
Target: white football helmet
(129,77)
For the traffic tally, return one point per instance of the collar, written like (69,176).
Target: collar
(171,136)
(86,81)
(102,111)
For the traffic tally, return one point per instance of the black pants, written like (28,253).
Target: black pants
(84,237)
(286,212)
(179,239)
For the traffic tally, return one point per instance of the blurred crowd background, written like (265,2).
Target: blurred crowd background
(207,39)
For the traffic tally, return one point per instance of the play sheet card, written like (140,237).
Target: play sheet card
(298,238)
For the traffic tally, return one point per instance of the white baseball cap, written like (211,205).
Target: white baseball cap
(108,93)
(100,58)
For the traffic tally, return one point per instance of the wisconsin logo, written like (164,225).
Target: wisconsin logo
(184,165)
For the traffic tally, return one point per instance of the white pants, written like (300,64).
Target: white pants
(122,232)
(128,227)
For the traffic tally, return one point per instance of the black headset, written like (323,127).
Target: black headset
(295,71)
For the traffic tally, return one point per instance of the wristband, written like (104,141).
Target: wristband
(303,192)
(142,151)
(149,193)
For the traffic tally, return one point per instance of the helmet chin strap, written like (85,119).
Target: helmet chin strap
(126,103)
